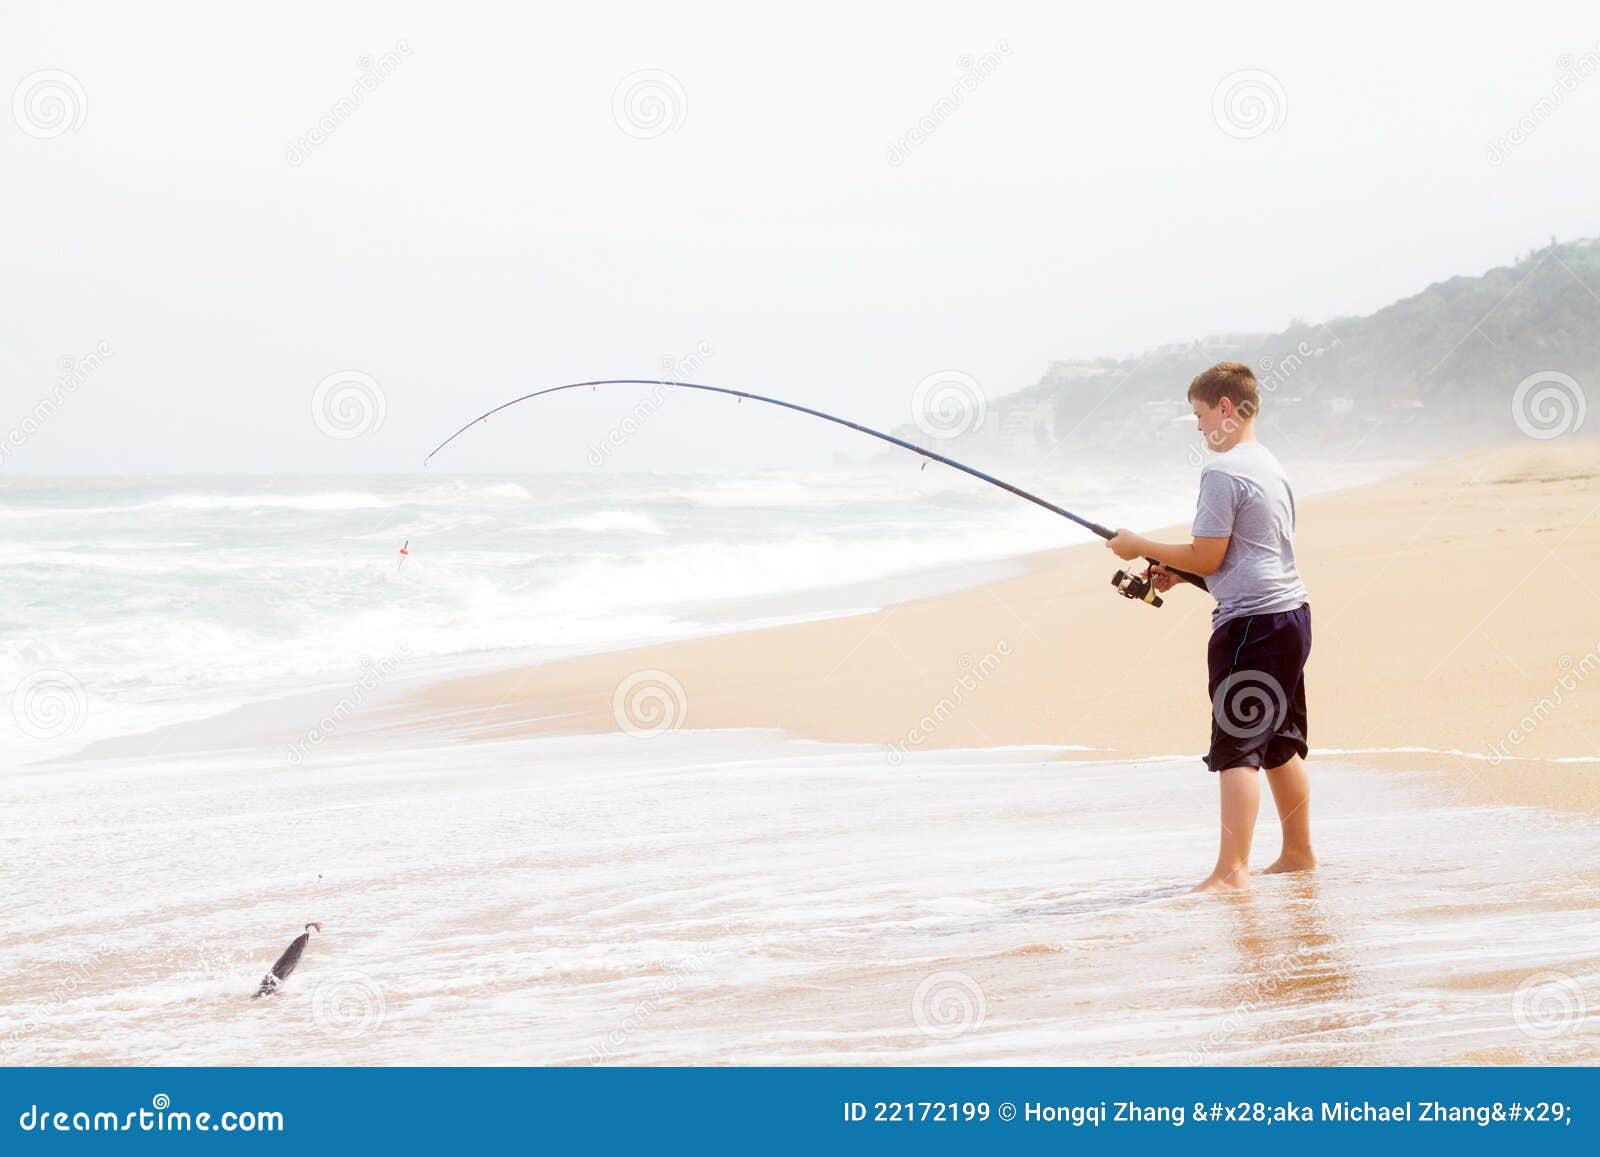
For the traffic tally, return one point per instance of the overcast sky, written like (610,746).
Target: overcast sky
(525,194)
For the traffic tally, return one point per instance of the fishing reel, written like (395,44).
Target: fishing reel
(1134,586)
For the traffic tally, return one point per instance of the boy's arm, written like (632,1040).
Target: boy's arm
(1202,556)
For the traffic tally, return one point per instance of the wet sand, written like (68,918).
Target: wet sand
(1454,611)
(740,898)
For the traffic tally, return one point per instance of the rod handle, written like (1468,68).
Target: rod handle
(1183,574)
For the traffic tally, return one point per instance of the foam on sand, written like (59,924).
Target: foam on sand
(736,897)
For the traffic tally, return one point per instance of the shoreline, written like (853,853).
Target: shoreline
(1422,641)
(279,716)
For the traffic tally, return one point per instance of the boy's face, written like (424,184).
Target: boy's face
(1217,422)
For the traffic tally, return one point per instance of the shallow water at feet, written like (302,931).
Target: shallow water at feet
(744,898)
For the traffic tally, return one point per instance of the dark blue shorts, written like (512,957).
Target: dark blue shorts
(1258,691)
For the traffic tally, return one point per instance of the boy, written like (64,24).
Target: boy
(1261,628)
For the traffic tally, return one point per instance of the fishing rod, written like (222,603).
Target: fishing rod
(1128,585)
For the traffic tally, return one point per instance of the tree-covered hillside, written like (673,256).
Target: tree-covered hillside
(1438,370)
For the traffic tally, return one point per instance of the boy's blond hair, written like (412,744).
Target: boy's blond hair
(1232,380)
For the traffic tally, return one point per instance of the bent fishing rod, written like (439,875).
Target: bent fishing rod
(1130,586)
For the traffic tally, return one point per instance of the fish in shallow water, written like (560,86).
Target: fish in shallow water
(286,963)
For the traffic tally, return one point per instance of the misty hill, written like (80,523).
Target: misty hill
(1435,371)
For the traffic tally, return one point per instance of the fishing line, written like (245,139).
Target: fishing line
(1132,586)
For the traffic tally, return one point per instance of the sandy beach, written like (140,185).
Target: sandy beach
(959,829)
(1454,626)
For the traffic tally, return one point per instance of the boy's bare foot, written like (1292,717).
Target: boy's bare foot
(1292,862)
(1235,881)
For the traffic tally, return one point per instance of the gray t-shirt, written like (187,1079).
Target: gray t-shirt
(1245,497)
